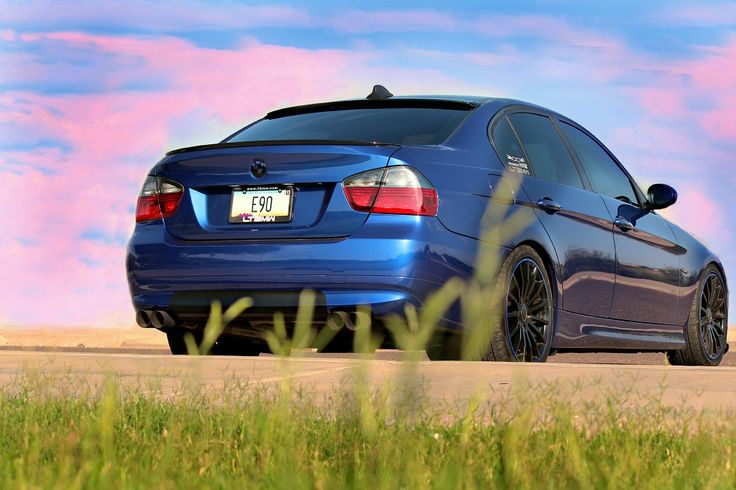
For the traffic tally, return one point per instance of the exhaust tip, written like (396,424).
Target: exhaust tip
(356,318)
(143,318)
(161,319)
(337,320)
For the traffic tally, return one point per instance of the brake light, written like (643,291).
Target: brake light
(393,190)
(158,199)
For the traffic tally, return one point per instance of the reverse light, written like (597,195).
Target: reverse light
(158,199)
(393,190)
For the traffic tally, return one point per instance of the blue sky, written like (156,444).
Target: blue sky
(92,94)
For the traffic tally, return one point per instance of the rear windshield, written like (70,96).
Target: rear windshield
(399,125)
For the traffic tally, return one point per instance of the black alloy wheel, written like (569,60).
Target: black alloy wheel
(707,328)
(524,330)
(712,316)
(528,311)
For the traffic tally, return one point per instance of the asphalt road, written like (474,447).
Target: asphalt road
(634,359)
(445,382)
(644,358)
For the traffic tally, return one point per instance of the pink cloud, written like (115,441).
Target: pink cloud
(700,214)
(103,142)
(667,102)
(150,93)
(51,196)
(701,88)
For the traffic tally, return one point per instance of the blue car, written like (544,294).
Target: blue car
(380,201)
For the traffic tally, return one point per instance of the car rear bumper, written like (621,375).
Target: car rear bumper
(390,262)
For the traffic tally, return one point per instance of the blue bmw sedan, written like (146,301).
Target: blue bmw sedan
(378,202)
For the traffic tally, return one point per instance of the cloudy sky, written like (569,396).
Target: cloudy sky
(93,93)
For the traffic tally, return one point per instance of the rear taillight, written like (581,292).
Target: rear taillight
(393,190)
(159,198)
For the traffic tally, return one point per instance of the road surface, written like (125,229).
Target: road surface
(445,382)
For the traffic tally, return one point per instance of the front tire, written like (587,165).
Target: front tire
(707,327)
(523,320)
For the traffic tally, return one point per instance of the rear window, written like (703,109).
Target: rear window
(400,126)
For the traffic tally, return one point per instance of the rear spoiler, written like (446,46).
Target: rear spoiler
(240,144)
(341,105)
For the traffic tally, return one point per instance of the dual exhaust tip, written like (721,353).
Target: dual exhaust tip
(154,318)
(347,319)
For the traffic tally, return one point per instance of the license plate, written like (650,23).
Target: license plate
(261,204)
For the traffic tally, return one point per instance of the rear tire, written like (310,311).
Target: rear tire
(176,341)
(523,320)
(230,345)
(707,326)
(226,345)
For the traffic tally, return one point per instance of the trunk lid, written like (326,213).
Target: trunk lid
(312,174)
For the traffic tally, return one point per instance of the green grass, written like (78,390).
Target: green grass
(57,436)
(61,432)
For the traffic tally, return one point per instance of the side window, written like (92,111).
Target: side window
(605,175)
(547,154)
(508,147)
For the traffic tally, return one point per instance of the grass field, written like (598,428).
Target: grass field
(56,434)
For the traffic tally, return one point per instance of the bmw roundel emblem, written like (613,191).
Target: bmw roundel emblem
(258,168)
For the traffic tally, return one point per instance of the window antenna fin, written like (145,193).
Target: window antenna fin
(379,92)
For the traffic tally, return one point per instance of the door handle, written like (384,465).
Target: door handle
(548,205)
(623,223)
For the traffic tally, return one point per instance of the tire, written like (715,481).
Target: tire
(229,345)
(523,313)
(176,341)
(225,346)
(707,327)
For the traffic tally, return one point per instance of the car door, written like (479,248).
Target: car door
(575,218)
(647,253)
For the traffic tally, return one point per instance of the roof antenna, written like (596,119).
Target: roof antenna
(379,92)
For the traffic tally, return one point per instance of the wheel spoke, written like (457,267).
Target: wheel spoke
(715,341)
(524,342)
(538,319)
(720,303)
(539,306)
(524,283)
(706,342)
(535,348)
(712,292)
(537,289)
(530,344)
(514,286)
(518,338)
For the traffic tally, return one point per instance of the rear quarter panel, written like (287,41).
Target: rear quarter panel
(473,195)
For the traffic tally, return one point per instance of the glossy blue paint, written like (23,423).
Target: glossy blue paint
(612,289)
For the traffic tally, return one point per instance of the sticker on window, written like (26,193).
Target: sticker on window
(517,164)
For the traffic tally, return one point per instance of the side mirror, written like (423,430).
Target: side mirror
(661,196)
